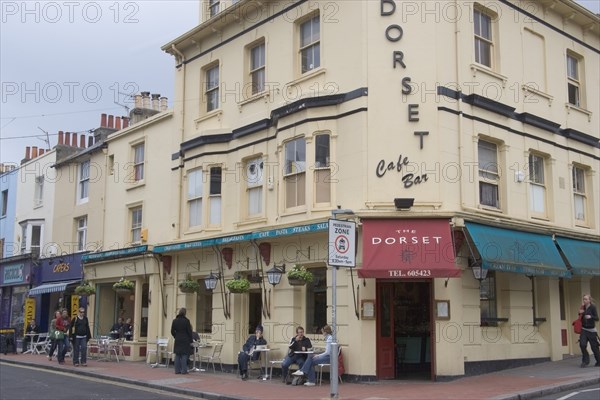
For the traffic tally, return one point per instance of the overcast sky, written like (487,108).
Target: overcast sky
(63,63)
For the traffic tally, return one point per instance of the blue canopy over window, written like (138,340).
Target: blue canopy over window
(583,256)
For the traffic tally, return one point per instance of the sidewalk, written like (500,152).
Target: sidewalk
(517,383)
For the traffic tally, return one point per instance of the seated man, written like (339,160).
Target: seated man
(297,343)
(31,328)
(117,329)
(309,366)
(248,352)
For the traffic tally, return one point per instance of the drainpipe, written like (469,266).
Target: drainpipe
(459,107)
(181,59)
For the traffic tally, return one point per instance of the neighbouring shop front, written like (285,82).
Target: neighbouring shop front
(15,280)
(56,277)
(405,257)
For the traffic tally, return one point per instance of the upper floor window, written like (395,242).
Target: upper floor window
(254,185)
(39,191)
(295,173)
(310,44)
(489,176)
(257,68)
(84,180)
(214,6)
(483,37)
(322,169)
(215,196)
(31,237)
(136,224)
(4,205)
(81,233)
(537,200)
(194,198)
(579,194)
(573,80)
(138,162)
(212,88)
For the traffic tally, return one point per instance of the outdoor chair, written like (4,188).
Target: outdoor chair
(161,349)
(216,356)
(327,365)
(40,346)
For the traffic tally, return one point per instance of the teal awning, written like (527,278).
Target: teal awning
(583,256)
(516,251)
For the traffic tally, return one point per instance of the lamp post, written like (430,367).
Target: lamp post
(334,344)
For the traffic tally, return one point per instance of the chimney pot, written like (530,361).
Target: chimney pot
(111,123)
(103,120)
(163,103)
(34,152)
(74,139)
(155,102)
(27,153)
(60,137)
(41,153)
(146,99)
(125,122)
(90,141)
(117,123)
(68,138)
(82,141)
(138,101)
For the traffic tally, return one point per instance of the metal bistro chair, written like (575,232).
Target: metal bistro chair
(216,356)
(40,346)
(161,348)
(326,365)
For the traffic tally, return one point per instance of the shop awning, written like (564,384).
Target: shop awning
(583,256)
(516,251)
(407,249)
(51,288)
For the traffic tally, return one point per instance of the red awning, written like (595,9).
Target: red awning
(400,248)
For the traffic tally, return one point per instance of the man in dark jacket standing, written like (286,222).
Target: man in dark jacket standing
(80,334)
(181,329)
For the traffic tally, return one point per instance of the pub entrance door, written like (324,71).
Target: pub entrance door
(404,327)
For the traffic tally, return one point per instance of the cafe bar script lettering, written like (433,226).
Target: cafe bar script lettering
(394,33)
(62,267)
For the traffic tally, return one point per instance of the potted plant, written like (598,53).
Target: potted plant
(189,285)
(123,286)
(238,285)
(299,276)
(85,289)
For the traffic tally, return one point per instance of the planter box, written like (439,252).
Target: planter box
(296,282)
(122,291)
(187,290)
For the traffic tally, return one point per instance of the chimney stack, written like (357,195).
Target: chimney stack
(117,123)
(125,122)
(61,138)
(74,139)
(27,153)
(34,152)
(145,99)
(82,141)
(103,120)
(163,103)
(42,151)
(68,138)
(111,123)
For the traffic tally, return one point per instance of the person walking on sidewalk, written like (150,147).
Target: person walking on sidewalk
(80,332)
(324,358)
(181,329)
(589,333)
(52,334)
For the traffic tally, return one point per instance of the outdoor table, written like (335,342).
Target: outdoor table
(197,346)
(265,350)
(104,348)
(31,349)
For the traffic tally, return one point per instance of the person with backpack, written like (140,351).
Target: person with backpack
(80,334)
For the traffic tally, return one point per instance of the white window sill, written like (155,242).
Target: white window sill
(573,107)
(251,221)
(213,114)
(136,185)
(582,224)
(256,97)
(540,217)
(531,91)
(475,68)
(306,76)
(489,209)
(294,211)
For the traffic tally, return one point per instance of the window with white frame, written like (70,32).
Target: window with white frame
(310,44)
(31,236)
(254,172)
(295,173)
(484,45)
(537,198)
(215,196)
(214,6)
(84,180)
(4,203)
(81,232)
(38,199)
(257,68)
(138,162)
(136,224)
(194,197)
(322,175)
(212,88)
(573,81)
(489,177)
(579,195)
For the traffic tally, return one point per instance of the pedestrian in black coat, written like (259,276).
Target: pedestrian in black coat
(181,329)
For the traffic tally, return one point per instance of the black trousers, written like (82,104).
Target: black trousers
(592,338)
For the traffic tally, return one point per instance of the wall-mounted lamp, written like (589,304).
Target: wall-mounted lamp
(274,274)
(403,203)
(211,281)
(479,272)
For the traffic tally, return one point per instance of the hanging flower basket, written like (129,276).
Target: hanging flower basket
(189,285)
(85,289)
(240,285)
(299,276)
(123,286)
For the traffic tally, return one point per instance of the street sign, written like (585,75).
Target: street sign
(342,243)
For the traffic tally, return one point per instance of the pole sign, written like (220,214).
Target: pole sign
(342,243)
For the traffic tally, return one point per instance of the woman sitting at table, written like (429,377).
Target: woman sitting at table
(248,352)
(29,335)
(117,329)
(309,366)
